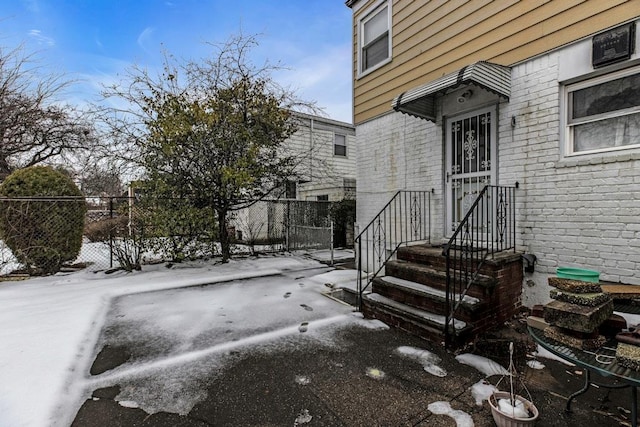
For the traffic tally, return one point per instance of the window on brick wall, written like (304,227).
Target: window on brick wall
(374,37)
(603,113)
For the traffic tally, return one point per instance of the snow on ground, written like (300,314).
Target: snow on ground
(190,333)
(50,325)
(535,364)
(482,364)
(336,255)
(546,354)
(632,319)
(461,418)
(428,360)
(482,390)
(337,279)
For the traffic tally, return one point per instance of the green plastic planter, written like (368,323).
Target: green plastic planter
(578,274)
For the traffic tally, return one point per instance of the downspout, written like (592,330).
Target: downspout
(311,129)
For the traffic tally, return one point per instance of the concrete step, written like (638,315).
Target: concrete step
(423,297)
(422,323)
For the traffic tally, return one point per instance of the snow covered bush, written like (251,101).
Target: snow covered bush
(42,218)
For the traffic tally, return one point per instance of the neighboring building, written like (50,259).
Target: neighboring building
(328,159)
(450,96)
(325,149)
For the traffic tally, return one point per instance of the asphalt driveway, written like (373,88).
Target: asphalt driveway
(290,356)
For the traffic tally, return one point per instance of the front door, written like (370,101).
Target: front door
(470,165)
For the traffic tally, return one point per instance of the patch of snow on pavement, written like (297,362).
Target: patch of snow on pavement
(302,380)
(461,418)
(175,390)
(428,360)
(336,279)
(373,324)
(128,404)
(534,364)
(303,418)
(486,366)
(632,319)
(482,390)
(543,352)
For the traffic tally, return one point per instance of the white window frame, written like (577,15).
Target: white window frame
(366,16)
(335,143)
(568,124)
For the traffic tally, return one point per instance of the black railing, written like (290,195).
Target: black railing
(406,218)
(488,227)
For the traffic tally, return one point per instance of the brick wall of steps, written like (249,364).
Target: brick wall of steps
(411,296)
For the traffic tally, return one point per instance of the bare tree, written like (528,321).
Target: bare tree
(98,179)
(35,125)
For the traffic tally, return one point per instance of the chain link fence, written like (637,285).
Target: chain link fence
(126,232)
(273,225)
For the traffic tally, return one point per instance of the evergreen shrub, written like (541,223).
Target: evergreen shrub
(42,216)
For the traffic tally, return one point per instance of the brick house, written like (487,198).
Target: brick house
(543,96)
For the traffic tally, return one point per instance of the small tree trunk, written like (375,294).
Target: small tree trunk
(223,235)
(5,170)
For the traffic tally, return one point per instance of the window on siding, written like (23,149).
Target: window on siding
(291,190)
(603,114)
(340,145)
(323,198)
(374,31)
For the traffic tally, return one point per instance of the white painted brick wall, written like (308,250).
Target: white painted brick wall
(582,211)
(395,152)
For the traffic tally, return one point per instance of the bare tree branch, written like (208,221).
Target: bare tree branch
(35,126)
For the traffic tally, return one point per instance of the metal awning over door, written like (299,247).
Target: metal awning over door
(420,101)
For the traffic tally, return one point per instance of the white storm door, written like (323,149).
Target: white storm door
(470,151)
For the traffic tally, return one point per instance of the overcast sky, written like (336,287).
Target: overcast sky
(95,40)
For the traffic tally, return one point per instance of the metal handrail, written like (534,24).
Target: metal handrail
(406,218)
(488,227)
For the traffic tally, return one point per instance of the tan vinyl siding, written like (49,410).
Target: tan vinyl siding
(432,39)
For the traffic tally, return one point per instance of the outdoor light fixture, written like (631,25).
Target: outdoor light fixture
(529,262)
(465,95)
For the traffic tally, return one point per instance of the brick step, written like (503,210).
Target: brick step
(415,321)
(423,254)
(423,297)
(435,278)
(431,256)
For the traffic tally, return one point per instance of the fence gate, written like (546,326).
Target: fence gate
(308,225)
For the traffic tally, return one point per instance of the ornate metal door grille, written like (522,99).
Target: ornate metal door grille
(470,147)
